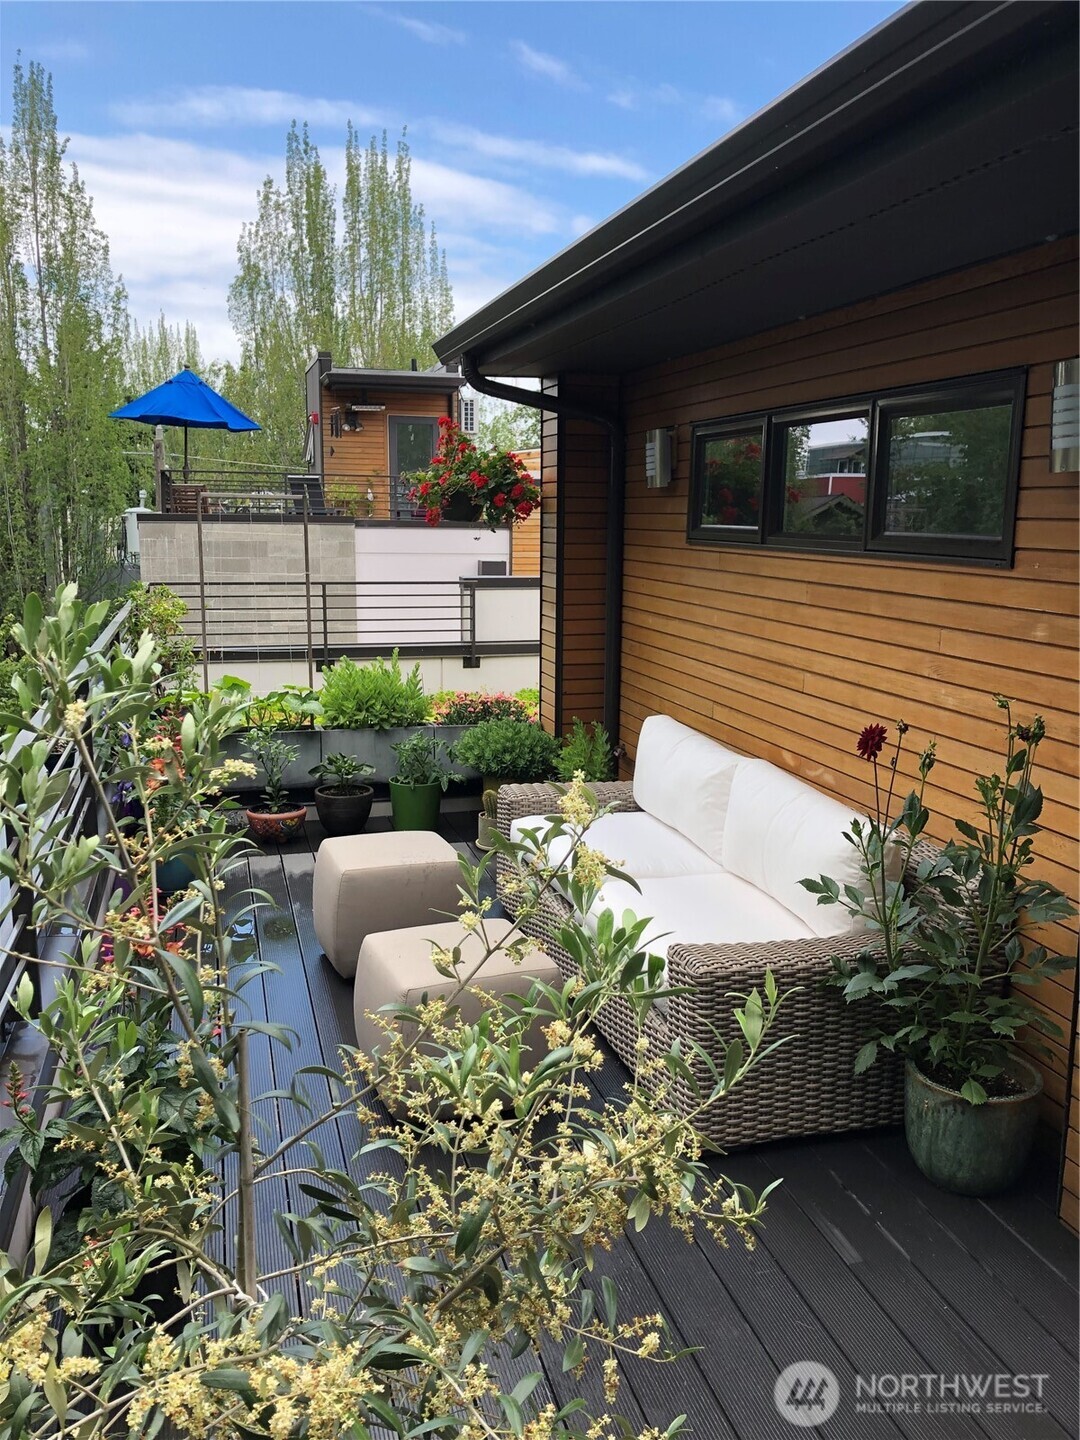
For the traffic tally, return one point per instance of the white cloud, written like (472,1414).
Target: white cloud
(539,153)
(173,211)
(69,51)
(239,105)
(549,66)
(722,108)
(428,30)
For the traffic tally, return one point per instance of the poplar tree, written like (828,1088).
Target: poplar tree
(63,479)
(376,294)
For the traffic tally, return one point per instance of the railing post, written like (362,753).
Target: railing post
(202,588)
(307,595)
(325,627)
(471,660)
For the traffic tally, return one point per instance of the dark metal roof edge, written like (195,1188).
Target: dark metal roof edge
(642,227)
(340,376)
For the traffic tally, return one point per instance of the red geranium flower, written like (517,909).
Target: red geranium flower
(424,489)
(870,742)
(524,509)
(499,500)
(478,480)
(433,517)
(517,492)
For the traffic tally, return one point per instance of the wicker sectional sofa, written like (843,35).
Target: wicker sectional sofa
(718,843)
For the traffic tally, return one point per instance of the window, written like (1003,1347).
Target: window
(468,414)
(912,473)
(730,464)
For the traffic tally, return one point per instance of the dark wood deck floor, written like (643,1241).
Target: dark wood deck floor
(862,1266)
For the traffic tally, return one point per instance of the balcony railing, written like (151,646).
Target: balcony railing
(360,496)
(288,619)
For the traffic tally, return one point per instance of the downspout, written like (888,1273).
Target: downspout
(616,505)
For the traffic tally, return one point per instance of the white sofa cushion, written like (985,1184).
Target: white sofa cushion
(633,841)
(780,831)
(683,779)
(716,909)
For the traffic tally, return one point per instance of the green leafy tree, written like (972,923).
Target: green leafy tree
(63,478)
(509,427)
(375,294)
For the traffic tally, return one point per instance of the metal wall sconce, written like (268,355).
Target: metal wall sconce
(659,468)
(1065,417)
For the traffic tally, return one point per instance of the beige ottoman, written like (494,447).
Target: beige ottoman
(395,969)
(365,883)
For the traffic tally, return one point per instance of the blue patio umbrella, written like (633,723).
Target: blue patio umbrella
(188,401)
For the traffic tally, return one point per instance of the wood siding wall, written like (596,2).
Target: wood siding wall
(574,483)
(361,458)
(787,655)
(525,538)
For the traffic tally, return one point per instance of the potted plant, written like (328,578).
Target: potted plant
(480,486)
(419,779)
(951,950)
(369,707)
(508,750)
(343,803)
(486,820)
(276,819)
(587,753)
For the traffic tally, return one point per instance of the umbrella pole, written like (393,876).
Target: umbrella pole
(187,472)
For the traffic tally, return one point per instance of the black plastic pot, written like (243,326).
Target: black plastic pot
(343,812)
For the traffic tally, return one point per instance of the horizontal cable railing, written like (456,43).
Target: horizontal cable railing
(327,618)
(356,496)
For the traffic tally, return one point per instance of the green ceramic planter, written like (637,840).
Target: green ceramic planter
(971,1149)
(415,807)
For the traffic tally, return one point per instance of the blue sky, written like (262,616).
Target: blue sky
(528,122)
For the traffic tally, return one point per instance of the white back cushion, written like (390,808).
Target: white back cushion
(684,779)
(780,831)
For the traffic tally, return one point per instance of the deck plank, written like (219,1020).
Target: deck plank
(861,1265)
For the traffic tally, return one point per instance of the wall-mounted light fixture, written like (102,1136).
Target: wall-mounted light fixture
(658,459)
(1065,417)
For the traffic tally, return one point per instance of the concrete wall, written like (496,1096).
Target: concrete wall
(495,672)
(235,553)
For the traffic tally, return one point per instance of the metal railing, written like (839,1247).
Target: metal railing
(277,618)
(26,944)
(359,496)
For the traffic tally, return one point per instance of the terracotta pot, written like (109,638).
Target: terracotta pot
(278,826)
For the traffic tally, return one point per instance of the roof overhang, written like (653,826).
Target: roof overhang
(425,381)
(944,138)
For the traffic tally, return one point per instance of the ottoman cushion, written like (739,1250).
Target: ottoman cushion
(374,882)
(395,968)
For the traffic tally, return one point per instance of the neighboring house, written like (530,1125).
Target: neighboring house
(892,242)
(366,428)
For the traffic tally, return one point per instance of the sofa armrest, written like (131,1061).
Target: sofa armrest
(516,801)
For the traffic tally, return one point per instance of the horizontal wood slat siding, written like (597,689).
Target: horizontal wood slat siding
(525,537)
(574,556)
(786,656)
(362,453)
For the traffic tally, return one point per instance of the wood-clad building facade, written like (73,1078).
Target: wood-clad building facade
(893,239)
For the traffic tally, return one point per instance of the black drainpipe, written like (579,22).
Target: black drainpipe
(616,505)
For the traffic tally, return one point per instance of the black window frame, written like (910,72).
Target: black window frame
(961,392)
(722,430)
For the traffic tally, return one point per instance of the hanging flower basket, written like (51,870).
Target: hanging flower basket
(487,487)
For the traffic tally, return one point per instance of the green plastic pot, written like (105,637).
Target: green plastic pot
(971,1149)
(415,807)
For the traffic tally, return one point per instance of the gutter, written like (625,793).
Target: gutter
(616,506)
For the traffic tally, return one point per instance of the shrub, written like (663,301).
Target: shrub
(530,698)
(588,752)
(421,760)
(159,611)
(515,750)
(376,696)
(470,707)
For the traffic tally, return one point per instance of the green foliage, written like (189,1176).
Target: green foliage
(514,750)
(160,612)
(493,482)
(12,662)
(343,773)
(128,1311)
(422,760)
(376,696)
(586,751)
(952,947)
(63,477)
(273,756)
(470,707)
(374,293)
(508,427)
